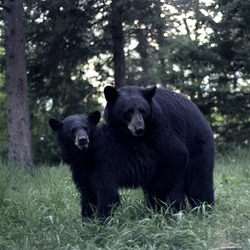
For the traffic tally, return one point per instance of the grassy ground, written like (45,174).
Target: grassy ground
(42,212)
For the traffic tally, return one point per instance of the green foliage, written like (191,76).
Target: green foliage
(201,50)
(41,211)
(59,44)
(228,43)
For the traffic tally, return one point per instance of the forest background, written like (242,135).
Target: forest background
(76,47)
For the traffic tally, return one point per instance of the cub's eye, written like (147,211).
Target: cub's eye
(128,114)
(73,131)
(142,111)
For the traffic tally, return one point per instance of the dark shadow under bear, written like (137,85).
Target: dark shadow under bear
(100,162)
(179,135)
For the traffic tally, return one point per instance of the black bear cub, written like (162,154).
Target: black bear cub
(178,134)
(73,137)
(100,162)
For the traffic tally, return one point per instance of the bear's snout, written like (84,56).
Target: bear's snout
(82,142)
(139,131)
(137,126)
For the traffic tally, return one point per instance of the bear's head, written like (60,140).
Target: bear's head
(129,108)
(75,130)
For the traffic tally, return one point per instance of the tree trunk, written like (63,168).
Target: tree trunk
(118,43)
(19,136)
(147,77)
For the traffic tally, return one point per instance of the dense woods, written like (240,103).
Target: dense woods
(74,48)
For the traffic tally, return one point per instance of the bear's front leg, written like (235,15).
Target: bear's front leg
(88,200)
(88,205)
(106,200)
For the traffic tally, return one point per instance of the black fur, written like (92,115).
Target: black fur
(178,134)
(104,165)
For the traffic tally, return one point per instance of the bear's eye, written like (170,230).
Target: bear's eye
(73,131)
(128,114)
(142,111)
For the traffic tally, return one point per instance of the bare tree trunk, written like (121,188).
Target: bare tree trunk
(118,43)
(19,136)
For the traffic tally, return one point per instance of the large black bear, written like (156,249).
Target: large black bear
(100,162)
(179,135)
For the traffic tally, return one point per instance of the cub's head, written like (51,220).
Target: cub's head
(129,108)
(75,130)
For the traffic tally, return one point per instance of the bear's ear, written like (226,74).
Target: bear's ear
(55,124)
(110,94)
(148,93)
(94,117)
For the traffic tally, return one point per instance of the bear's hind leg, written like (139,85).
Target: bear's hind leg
(176,197)
(163,198)
(199,181)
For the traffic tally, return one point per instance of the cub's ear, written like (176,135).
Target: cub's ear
(148,93)
(55,124)
(94,117)
(110,94)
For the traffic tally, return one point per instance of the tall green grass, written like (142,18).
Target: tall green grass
(41,211)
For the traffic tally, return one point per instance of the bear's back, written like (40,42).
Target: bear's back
(172,102)
(181,112)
